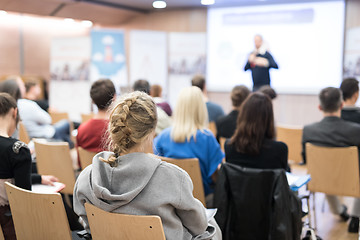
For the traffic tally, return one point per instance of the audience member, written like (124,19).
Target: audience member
(164,120)
(269,91)
(350,91)
(253,144)
(214,110)
(332,131)
(130,181)
(189,138)
(15,161)
(33,92)
(226,125)
(91,133)
(156,93)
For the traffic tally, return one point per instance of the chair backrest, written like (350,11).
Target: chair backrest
(58,116)
(333,170)
(106,225)
(1,234)
(222,143)
(37,215)
(192,167)
(53,158)
(85,157)
(23,134)
(292,137)
(212,128)
(86,117)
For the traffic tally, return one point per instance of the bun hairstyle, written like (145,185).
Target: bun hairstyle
(133,118)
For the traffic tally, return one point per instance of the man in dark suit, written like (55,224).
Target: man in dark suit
(332,131)
(260,61)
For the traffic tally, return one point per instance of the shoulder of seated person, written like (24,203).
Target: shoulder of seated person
(16,146)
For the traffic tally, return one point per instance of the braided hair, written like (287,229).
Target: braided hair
(132,118)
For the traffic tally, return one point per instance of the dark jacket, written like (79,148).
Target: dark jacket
(256,204)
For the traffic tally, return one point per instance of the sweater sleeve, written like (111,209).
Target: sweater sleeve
(21,165)
(272,63)
(191,211)
(247,66)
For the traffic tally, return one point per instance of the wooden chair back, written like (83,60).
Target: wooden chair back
(53,158)
(212,128)
(1,234)
(23,134)
(222,143)
(85,157)
(37,215)
(292,136)
(192,167)
(105,225)
(333,170)
(86,117)
(58,116)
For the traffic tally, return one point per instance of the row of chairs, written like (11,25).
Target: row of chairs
(42,216)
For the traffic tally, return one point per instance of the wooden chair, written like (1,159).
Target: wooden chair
(1,234)
(37,215)
(106,225)
(58,116)
(212,128)
(333,170)
(53,158)
(192,167)
(23,134)
(86,117)
(85,157)
(292,136)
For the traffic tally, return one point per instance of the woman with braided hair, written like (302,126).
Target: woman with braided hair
(129,180)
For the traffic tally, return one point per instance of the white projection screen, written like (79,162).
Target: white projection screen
(305,39)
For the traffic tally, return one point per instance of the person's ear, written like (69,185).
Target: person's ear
(320,108)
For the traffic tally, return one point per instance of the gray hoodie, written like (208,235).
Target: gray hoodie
(142,184)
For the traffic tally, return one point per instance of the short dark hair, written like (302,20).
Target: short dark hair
(11,87)
(29,85)
(102,93)
(198,81)
(255,123)
(269,91)
(142,85)
(7,102)
(349,87)
(330,99)
(239,94)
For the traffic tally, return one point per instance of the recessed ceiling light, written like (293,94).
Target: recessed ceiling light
(159,4)
(69,20)
(87,23)
(207,2)
(2,12)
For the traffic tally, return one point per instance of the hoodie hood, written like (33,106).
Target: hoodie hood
(114,187)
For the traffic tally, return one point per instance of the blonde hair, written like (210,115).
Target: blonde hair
(133,118)
(190,115)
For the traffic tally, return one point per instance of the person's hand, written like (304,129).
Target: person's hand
(262,62)
(252,57)
(48,180)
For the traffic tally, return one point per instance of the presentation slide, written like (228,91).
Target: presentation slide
(305,40)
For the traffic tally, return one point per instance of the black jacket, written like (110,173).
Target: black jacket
(256,204)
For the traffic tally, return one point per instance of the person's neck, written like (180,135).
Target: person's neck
(30,96)
(349,103)
(4,127)
(332,114)
(102,114)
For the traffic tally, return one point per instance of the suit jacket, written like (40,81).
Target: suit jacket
(331,132)
(351,114)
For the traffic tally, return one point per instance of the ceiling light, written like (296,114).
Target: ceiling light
(3,12)
(87,23)
(207,2)
(159,4)
(69,20)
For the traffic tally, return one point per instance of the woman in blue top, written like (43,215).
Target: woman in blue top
(190,138)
